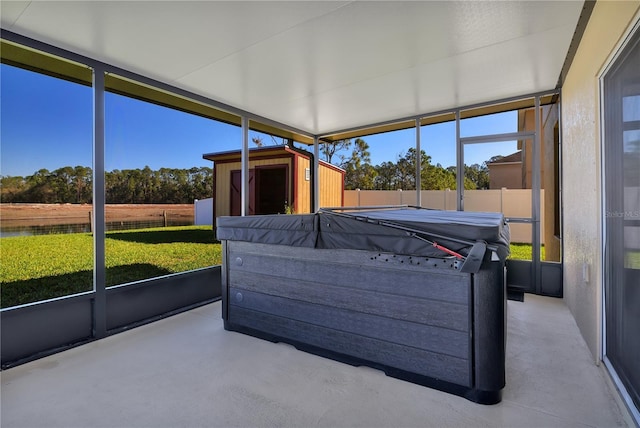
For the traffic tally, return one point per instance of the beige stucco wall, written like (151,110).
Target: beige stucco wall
(548,182)
(581,171)
(529,124)
(507,175)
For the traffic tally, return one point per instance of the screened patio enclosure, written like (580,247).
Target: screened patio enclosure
(402,78)
(306,71)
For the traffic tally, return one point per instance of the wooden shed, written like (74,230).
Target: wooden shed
(279,177)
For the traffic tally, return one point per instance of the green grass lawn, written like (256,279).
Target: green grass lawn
(632,259)
(43,267)
(524,252)
(46,266)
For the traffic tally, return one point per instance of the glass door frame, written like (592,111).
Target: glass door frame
(533,269)
(631,37)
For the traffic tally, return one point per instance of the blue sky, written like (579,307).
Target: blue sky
(46,123)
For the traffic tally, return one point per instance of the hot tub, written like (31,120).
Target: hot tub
(417,293)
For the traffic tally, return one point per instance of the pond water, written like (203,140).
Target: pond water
(23,230)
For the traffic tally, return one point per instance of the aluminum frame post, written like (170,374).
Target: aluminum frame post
(316,173)
(494,138)
(244,174)
(99,200)
(418,166)
(459,165)
(535,200)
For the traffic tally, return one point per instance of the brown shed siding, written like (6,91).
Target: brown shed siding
(302,187)
(331,186)
(223,180)
(299,189)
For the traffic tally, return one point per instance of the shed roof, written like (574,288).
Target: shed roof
(261,152)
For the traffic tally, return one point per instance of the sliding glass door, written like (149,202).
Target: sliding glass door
(621,92)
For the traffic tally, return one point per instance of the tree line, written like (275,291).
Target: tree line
(182,186)
(401,174)
(128,186)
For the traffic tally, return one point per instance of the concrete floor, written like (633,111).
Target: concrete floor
(186,371)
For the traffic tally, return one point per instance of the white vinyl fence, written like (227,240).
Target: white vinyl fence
(510,202)
(203,211)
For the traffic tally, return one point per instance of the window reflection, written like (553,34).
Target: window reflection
(631,108)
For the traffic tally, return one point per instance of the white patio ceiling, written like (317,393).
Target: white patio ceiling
(319,66)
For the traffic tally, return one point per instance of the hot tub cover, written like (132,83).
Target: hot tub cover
(400,231)
(297,230)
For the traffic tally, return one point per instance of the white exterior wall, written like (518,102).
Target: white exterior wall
(581,165)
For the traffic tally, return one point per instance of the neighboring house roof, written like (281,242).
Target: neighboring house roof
(512,158)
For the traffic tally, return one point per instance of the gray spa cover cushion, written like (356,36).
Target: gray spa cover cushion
(299,230)
(393,231)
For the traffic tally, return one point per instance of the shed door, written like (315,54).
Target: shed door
(236,192)
(271,189)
